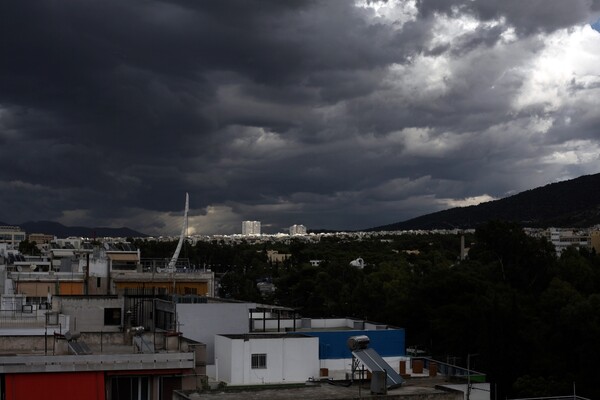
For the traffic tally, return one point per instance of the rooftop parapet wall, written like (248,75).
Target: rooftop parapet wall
(271,323)
(97,362)
(36,323)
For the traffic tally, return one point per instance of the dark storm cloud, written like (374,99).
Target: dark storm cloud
(317,112)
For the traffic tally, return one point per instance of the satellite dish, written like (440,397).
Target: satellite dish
(359,262)
(19,268)
(33,267)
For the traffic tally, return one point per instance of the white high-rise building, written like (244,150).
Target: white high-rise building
(250,227)
(297,230)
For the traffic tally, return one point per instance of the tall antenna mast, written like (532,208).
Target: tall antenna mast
(173,261)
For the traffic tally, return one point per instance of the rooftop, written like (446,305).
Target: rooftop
(323,390)
(247,336)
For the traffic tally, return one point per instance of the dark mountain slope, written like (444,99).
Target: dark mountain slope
(61,231)
(573,203)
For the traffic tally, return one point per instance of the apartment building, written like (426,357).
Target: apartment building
(250,228)
(12,235)
(297,230)
(562,238)
(595,239)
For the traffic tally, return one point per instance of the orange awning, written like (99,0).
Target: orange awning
(123,257)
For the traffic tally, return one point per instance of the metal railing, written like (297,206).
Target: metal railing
(18,318)
(570,397)
(451,370)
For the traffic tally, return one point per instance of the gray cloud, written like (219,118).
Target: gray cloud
(527,17)
(329,114)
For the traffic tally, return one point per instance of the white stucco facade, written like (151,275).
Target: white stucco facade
(201,322)
(287,358)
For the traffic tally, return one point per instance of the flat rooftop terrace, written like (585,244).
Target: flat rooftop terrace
(321,390)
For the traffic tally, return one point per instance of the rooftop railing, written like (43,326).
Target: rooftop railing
(570,397)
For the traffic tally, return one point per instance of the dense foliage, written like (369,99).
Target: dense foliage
(532,319)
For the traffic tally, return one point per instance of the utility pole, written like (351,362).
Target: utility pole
(469,374)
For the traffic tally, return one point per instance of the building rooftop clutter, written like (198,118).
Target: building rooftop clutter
(107,371)
(430,388)
(107,303)
(384,377)
(88,344)
(275,347)
(74,266)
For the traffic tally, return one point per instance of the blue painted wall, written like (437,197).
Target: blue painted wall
(333,345)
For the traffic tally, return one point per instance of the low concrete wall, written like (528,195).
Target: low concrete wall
(96,362)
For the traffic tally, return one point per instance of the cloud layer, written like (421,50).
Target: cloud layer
(333,114)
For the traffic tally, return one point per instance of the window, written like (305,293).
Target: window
(259,361)
(190,290)
(98,282)
(134,387)
(112,316)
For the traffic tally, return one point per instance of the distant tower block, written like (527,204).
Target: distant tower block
(297,230)
(250,228)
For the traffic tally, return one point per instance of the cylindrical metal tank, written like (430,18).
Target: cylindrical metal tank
(358,342)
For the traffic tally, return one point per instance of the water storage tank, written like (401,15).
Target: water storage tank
(358,342)
(72,335)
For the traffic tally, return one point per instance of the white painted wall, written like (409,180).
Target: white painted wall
(99,264)
(300,359)
(289,360)
(201,322)
(223,366)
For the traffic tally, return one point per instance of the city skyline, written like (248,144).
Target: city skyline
(343,115)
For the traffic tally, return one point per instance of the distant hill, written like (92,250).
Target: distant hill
(61,231)
(574,203)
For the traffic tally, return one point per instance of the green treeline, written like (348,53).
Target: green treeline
(530,320)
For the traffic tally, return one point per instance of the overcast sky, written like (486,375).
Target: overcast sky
(333,114)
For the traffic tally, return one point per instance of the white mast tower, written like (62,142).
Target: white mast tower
(171,266)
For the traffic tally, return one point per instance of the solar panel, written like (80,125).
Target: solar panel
(127,247)
(143,345)
(373,361)
(79,348)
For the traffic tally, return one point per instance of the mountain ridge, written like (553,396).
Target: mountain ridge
(59,230)
(572,203)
